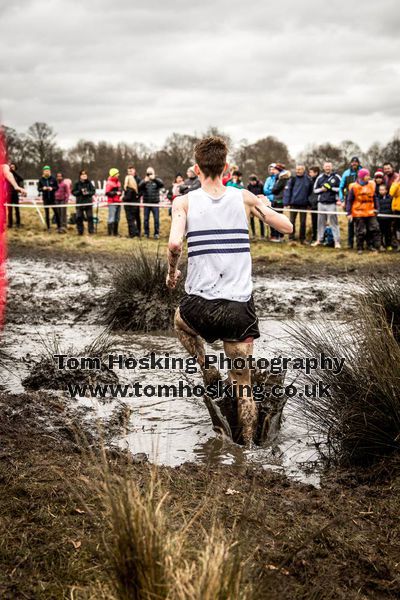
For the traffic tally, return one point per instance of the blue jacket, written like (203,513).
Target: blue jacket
(268,185)
(298,191)
(349,176)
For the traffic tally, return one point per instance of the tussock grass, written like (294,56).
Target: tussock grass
(150,561)
(385,294)
(360,422)
(139,299)
(45,373)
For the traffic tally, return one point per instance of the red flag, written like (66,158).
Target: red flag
(4,187)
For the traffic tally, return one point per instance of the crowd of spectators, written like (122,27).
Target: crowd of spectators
(314,198)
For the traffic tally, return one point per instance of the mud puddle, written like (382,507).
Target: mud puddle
(52,300)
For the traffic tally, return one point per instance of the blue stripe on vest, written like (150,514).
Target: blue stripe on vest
(222,241)
(218,251)
(216,231)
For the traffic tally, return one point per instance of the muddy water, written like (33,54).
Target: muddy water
(46,301)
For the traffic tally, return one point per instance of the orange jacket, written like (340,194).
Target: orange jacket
(361,200)
(395,193)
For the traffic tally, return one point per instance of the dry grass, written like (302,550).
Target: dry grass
(139,299)
(360,421)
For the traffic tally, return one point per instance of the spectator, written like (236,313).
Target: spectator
(236,180)
(278,190)
(13,196)
(299,189)
(270,181)
(228,174)
(113,193)
(149,189)
(47,186)
(191,183)
(361,206)
(175,190)
(326,187)
(84,191)
(256,187)
(62,197)
(384,206)
(391,176)
(131,189)
(313,173)
(379,178)
(348,177)
(395,193)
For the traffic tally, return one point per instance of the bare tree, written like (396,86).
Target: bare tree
(41,142)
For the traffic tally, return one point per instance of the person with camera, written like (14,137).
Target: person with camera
(149,190)
(47,186)
(84,191)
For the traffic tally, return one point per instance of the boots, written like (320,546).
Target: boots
(110,228)
(115,229)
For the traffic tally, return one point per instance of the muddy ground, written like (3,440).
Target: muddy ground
(340,540)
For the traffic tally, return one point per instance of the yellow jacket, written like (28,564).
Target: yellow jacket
(395,193)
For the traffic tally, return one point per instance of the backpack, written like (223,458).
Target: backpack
(328,239)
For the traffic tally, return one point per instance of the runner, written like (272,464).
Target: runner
(218,303)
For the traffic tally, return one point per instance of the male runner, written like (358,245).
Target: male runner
(218,303)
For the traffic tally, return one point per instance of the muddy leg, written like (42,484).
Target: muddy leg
(247,410)
(192,342)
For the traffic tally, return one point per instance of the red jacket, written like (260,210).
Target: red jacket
(113,190)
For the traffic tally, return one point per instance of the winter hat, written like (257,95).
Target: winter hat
(272,165)
(379,173)
(280,166)
(113,172)
(46,168)
(355,158)
(362,173)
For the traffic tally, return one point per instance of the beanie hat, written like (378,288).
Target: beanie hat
(379,173)
(362,173)
(272,165)
(113,172)
(280,166)
(355,158)
(46,168)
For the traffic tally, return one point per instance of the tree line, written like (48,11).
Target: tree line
(38,146)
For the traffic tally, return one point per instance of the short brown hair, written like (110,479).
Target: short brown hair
(210,154)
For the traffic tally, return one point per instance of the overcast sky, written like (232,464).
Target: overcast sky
(305,71)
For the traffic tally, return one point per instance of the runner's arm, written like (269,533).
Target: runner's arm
(259,209)
(176,236)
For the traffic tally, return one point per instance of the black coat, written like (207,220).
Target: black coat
(48,195)
(150,190)
(256,188)
(14,194)
(83,191)
(190,184)
(384,204)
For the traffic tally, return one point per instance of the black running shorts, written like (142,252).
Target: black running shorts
(219,319)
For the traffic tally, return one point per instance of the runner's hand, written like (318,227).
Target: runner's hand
(173,278)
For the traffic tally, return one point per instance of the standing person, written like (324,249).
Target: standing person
(348,177)
(299,189)
(361,206)
(326,187)
(278,192)
(218,303)
(270,181)
(192,182)
(313,173)
(84,191)
(236,180)
(175,190)
(384,206)
(256,187)
(47,186)
(13,195)
(131,189)
(113,193)
(395,193)
(379,178)
(149,189)
(391,176)
(62,197)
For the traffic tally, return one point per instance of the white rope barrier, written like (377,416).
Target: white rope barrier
(102,204)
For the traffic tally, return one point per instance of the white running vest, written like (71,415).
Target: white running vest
(219,260)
